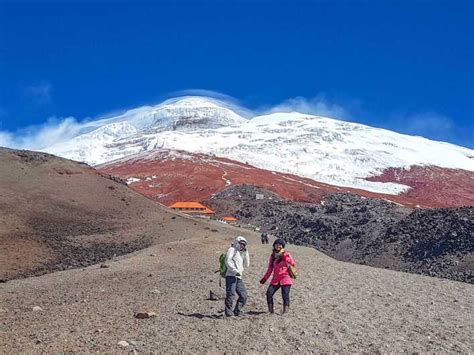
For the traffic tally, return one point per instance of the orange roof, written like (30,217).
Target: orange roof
(191,205)
(230,219)
(187,205)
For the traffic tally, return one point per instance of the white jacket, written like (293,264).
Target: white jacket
(236,260)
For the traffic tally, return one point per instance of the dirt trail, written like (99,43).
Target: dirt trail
(336,306)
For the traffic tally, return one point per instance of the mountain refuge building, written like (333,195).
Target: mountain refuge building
(191,208)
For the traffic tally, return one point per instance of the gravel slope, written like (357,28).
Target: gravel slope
(336,306)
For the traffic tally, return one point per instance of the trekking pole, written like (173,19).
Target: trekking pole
(220,278)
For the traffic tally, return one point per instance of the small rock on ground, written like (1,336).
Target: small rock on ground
(123,344)
(144,315)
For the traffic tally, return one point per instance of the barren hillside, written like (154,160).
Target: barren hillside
(57,214)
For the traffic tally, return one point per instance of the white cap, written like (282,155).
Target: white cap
(241,239)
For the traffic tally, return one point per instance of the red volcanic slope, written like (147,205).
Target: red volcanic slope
(170,176)
(432,185)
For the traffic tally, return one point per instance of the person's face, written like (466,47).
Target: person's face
(278,247)
(243,246)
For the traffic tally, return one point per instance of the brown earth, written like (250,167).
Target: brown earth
(336,306)
(57,214)
(169,176)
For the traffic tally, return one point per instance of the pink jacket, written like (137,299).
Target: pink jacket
(280,270)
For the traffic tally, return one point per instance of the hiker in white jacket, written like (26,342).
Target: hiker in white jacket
(237,258)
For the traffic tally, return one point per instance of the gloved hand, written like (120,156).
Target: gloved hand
(262,281)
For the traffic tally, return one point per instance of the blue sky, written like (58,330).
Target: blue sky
(401,65)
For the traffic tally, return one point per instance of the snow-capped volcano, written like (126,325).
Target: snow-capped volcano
(324,149)
(193,113)
(139,129)
(183,113)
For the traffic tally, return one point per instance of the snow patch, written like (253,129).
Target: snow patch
(131,180)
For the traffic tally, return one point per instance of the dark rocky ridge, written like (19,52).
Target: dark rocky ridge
(434,242)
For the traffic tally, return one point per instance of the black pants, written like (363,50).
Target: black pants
(234,285)
(285,293)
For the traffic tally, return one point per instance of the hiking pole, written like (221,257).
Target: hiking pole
(220,278)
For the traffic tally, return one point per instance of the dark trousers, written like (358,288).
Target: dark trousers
(285,292)
(234,285)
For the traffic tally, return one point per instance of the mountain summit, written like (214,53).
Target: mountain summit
(195,112)
(181,113)
(324,149)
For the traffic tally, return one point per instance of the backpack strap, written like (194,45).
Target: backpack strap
(233,256)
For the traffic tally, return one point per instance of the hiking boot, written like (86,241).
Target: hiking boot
(270,308)
(285,309)
(237,309)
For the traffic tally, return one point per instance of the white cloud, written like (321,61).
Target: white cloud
(228,101)
(425,124)
(41,136)
(6,139)
(318,106)
(429,122)
(203,92)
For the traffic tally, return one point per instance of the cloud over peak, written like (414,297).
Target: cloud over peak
(318,106)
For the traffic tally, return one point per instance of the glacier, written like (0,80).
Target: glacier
(324,149)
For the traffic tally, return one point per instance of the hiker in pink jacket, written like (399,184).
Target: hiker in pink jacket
(279,264)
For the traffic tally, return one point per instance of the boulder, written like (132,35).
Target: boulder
(144,315)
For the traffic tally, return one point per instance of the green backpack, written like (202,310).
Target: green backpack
(223,266)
